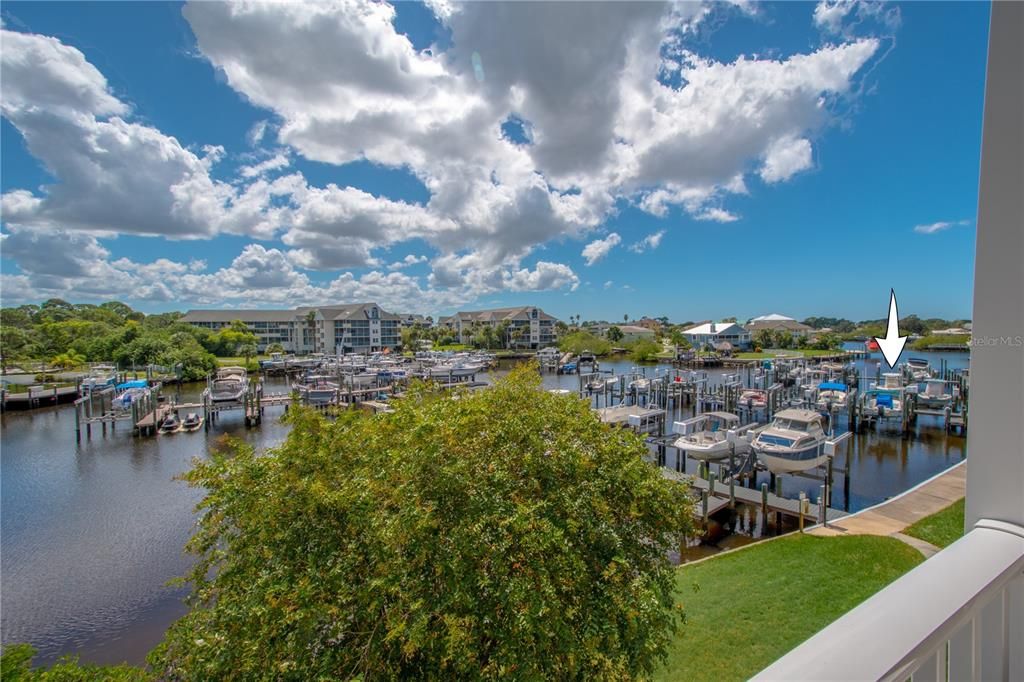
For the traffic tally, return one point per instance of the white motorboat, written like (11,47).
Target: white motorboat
(832,395)
(317,389)
(753,399)
(101,377)
(919,369)
(640,385)
(934,395)
(230,385)
(711,436)
(884,403)
(794,441)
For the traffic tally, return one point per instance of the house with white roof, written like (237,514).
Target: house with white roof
(775,322)
(717,332)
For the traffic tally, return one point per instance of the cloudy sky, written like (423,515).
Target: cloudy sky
(691,160)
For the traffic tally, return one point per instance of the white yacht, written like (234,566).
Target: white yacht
(230,385)
(794,441)
(710,436)
(934,395)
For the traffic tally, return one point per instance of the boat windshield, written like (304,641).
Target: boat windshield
(790,425)
(769,439)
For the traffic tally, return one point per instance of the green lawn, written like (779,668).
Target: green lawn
(239,361)
(942,528)
(792,352)
(754,605)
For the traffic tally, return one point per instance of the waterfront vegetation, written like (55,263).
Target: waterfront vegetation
(942,528)
(747,608)
(67,335)
(790,352)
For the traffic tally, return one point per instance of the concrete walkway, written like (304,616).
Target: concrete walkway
(893,516)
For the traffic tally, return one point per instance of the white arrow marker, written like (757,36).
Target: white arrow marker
(892,345)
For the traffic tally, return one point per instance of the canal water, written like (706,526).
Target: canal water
(92,533)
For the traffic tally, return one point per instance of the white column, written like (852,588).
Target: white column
(995,439)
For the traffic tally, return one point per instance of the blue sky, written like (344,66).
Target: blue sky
(695,161)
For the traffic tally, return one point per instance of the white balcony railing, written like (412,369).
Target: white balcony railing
(957,616)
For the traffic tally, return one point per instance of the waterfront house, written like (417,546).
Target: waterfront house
(775,322)
(630,332)
(716,332)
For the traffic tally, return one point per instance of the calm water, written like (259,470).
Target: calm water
(91,534)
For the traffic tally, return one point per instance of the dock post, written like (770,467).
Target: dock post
(732,492)
(711,482)
(764,504)
(803,504)
(821,506)
(704,505)
(78,422)
(778,494)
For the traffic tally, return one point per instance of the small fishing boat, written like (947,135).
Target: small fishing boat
(832,395)
(192,422)
(919,369)
(230,385)
(101,377)
(753,399)
(317,389)
(871,346)
(170,424)
(884,403)
(934,395)
(794,441)
(710,437)
(640,385)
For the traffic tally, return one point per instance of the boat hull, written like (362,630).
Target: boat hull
(779,462)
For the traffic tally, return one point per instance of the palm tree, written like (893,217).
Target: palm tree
(625,318)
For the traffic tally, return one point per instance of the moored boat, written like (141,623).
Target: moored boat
(230,385)
(794,441)
(711,436)
(934,395)
(919,369)
(832,395)
(170,424)
(192,422)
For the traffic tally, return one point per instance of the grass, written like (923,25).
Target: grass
(239,361)
(753,606)
(942,528)
(793,352)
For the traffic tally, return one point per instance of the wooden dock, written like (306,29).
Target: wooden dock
(723,494)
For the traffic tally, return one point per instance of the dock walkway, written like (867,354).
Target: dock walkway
(724,494)
(893,516)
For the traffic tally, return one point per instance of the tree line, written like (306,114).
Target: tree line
(68,335)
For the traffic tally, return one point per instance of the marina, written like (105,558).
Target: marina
(124,573)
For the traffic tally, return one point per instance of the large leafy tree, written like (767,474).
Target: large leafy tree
(506,534)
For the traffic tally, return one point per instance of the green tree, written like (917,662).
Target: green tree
(644,350)
(764,338)
(578,341)
(507,534)
(275,348)
(614,334)
(68,360)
